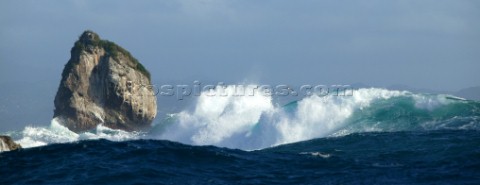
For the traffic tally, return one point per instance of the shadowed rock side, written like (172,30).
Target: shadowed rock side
(7,144)
(103,84)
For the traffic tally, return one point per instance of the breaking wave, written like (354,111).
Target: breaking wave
(254,122)
(57,133)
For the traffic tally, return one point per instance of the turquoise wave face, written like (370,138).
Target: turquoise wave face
(254,122)
(403,113)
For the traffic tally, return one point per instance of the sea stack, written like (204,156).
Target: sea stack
(103,83)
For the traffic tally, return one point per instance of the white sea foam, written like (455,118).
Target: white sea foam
(317,154)
(322,116)
(430,102)
(39,136)
(57,133)
(217,119)
(252,121)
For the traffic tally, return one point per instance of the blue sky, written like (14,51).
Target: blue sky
(427,44)
(431,44)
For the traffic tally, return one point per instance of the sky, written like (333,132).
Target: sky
(428,44)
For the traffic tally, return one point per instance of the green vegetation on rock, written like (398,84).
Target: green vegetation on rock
(90,38)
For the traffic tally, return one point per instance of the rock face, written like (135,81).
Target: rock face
(103,84)
(7,144)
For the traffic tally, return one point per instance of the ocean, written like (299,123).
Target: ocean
(375,136)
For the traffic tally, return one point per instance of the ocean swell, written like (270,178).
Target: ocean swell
(57,133)
(253,122)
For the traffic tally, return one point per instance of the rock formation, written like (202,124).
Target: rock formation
(7,144)
(103,84)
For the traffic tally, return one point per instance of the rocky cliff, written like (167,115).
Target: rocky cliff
(7,144)
(103,84)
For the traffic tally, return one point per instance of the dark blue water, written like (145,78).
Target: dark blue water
(387,137)
(425,157)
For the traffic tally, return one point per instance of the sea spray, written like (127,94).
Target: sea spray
(57,133)
(40,136)
(217,119)
(253,122)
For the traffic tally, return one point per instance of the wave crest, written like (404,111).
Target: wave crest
(253,122)
(57,133)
